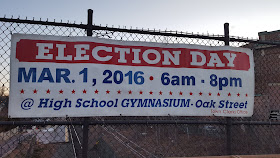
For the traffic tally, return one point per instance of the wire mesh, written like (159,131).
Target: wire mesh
(156,140)
(144,140)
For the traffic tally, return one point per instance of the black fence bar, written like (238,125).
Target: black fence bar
(82,26)
(117,122)
(228,119)
(158,32)
(236,39)
(139,31)
(180,122)
(114,122)
(89,24)
(16,123)
(86,120)
(254,123)
(226,34)
(85,138)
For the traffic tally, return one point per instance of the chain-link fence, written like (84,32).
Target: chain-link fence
(143,136)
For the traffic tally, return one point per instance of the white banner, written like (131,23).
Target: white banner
(55,76)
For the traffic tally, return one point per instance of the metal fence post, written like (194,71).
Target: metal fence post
(228,119)
(85,137)
(86,119)
(89,22)
(226,33)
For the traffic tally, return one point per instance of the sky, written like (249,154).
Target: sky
(245,17)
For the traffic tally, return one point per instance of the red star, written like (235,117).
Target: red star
(180,93)
(119,91)
(48,91)
(96,91)
(170,93)
(35,91)
(73,91)
(238,94)
(218,94)
(107,92)
(191,93)
(151,92)
(160,92)
(84,91)
(200,93)
(21,91)
(61,91)
(141,92)
(130,92)
(209,93)
(246,95)
(229,94)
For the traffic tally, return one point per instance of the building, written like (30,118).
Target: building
(267,74)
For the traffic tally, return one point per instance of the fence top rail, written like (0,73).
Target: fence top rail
(26,21)
(143,122)
(139,31)
(111,122)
